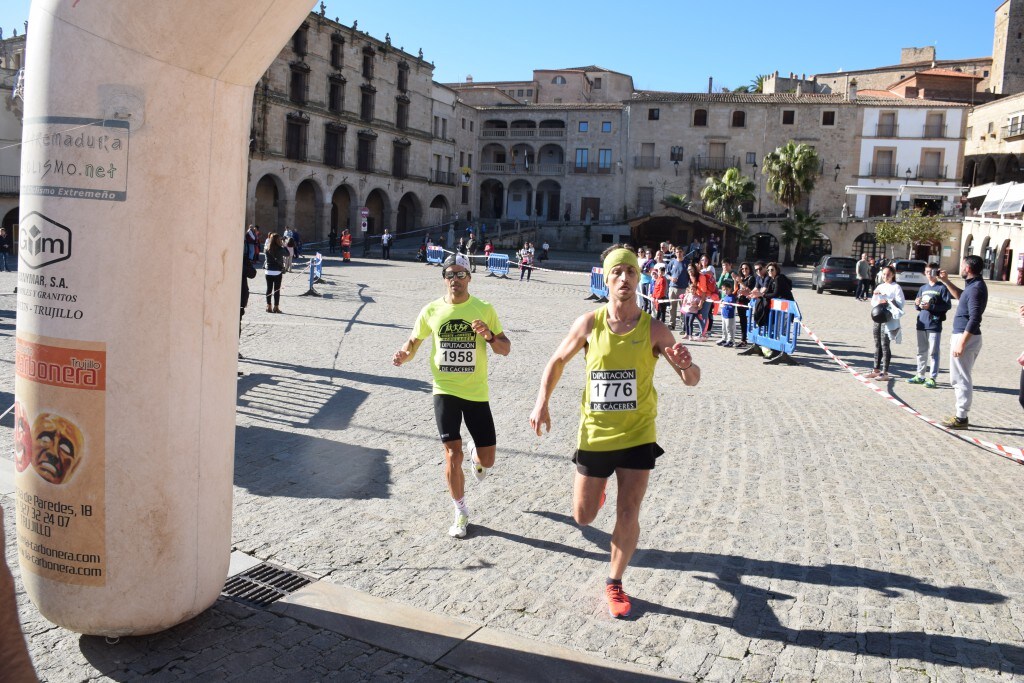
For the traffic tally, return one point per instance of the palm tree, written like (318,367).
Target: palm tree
(801,231)
(790,173)
(724,196)
(757,84)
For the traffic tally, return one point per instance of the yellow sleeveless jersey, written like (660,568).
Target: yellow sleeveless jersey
(620,403)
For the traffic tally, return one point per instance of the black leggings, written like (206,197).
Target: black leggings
(883,354)
(1020,395)
(742,312)
(274,288)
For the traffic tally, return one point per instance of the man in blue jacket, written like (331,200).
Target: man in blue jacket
(932,303)
(965,343)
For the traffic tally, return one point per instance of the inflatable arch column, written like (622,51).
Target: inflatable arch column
(134,170)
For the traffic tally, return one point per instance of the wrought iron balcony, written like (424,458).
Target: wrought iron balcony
(9,184)
(715,164)
(935,131)
(931,172)
(883,171)
(647,162)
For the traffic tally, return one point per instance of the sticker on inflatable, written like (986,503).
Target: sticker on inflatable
(75,158)
(59,458)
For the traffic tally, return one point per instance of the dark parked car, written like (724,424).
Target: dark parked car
(835,273)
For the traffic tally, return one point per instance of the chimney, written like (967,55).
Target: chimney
(799,88)
(469,78)
(851,93)
(710,84)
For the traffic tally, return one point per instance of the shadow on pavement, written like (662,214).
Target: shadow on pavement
(297,402)
(408,384)
(269,462)
(754,618)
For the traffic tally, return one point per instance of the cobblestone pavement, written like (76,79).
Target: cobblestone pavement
(798,527)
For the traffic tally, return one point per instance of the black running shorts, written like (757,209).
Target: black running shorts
(603,464)
(449,412)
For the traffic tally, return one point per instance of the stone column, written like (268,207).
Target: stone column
(126,523)
(325,225)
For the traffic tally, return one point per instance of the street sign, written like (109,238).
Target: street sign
(363,225)
(364,212)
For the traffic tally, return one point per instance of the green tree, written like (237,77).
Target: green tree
(912,228)
(726,195)
(790,173)
(757,84)
(800,230)
(680,200)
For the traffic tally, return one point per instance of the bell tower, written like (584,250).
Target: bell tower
(1008,49)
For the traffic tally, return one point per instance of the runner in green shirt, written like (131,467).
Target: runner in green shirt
(616,436)
(463,327)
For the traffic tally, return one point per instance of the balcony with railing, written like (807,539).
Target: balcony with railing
(887,130)
(928,172)
(885,170)
(9,184)
(934,130)
(1013,131)
(443,177)
(647,162)
(714,164)
(591,168)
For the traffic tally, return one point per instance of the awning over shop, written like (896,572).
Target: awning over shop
(995,198)
(1013,202)
(979,190)
(931,190)
(871,189)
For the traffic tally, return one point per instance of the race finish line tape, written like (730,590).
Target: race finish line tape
(1009,452)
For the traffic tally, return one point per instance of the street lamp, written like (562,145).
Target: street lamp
(836,177)
(753,165)
(676,164)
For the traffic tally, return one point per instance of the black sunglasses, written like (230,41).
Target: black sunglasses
(453,274)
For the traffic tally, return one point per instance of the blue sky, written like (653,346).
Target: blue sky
(664,45)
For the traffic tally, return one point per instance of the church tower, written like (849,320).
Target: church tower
(1008,49)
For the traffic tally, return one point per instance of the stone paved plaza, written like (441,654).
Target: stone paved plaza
(798,528)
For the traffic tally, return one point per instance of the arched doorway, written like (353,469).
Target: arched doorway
(523,158)
(409,213)
(764,246)
(1005,261)
(269,214)
(1011,169)
(308,211)
(10,223)
(812,253)
(548,200)
(380,209)
(492,199)
(968,245)
(970,168)
(988,256)
(439,210)
(927,250)
(520,196)
(866,243)
(987,174)
(341,208)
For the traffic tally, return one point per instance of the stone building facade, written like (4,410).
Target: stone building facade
(344,121)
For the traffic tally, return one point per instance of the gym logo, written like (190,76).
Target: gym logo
(43,241)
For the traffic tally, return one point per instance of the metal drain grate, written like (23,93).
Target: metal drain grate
(264,584)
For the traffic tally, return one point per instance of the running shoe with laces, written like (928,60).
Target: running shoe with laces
(929,383)
(618,601)
(479,471)
(916,379)
(458,528)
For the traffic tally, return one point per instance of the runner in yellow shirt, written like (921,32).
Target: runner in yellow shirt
(616,434)
(463,327)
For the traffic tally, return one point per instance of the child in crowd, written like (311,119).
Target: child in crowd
(646,278)
(691,303)
(728,312)
(660,289)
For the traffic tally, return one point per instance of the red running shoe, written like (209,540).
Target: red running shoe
(618,601)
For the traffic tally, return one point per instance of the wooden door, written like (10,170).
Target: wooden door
(590,208)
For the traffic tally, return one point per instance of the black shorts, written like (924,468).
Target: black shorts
(603,464)
(449,412)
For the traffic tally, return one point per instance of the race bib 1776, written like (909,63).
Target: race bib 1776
(612,390)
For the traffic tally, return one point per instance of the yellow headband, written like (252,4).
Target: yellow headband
(617,258)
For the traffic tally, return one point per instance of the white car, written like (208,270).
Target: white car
(909,274)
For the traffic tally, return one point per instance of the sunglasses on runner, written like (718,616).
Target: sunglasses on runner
(453,274)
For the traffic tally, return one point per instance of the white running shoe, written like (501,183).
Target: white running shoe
(479,471)
(458,529)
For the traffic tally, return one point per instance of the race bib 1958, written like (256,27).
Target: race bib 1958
(612,390)
(456,347)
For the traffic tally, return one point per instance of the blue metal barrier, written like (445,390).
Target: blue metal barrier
(316,273)
(435,255)
(598,288)
(781,330)
(497,264)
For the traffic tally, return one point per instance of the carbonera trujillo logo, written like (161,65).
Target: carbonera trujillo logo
(43,241)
